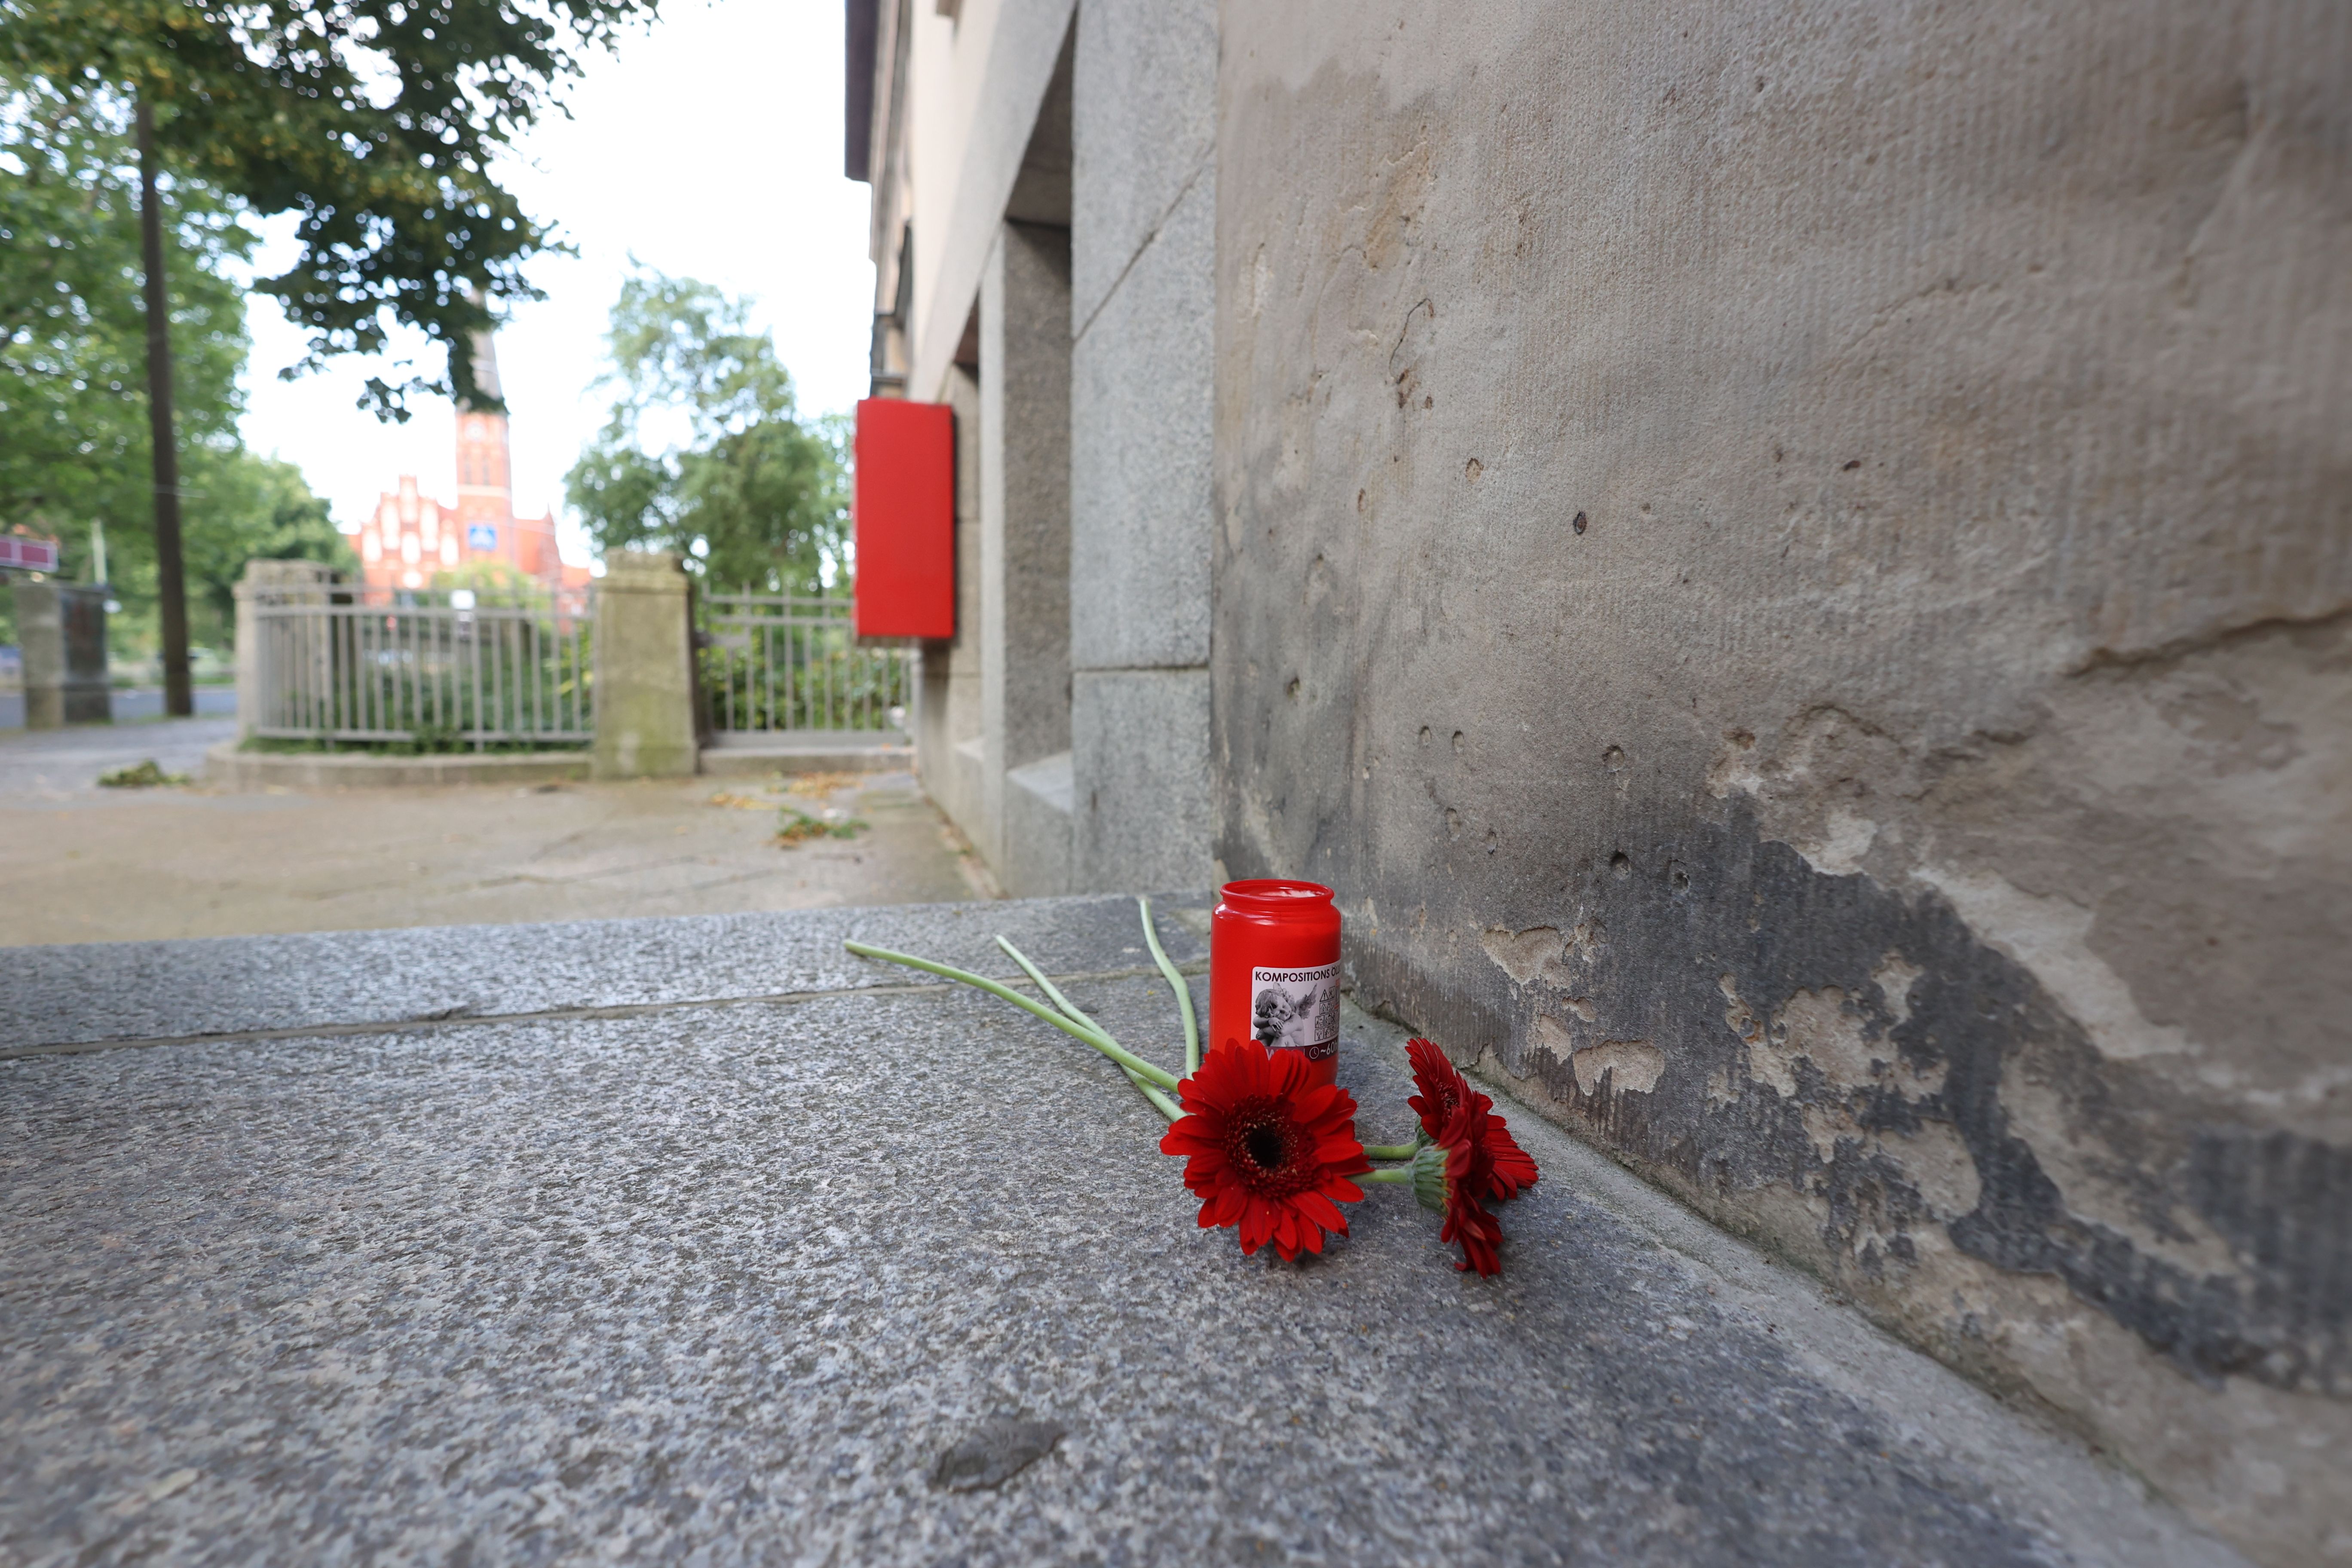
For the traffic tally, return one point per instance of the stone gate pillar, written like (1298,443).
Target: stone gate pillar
(62,629)
(259,685)
(644,669)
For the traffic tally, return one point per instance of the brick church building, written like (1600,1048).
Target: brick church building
(413,536)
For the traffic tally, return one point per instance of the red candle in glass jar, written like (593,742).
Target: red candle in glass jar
(1274,970)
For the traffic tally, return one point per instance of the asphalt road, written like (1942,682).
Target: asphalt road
(134,705)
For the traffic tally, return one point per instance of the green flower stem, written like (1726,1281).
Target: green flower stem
(1099,1041)
(1175,983)
(1391,1151)
(1052,990)
(1393,1173)
(1160,1102)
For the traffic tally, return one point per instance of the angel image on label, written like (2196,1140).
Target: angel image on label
(1296,1010)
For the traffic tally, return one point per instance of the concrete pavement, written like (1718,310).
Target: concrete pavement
(701,1239)
(86,864)
(49,766)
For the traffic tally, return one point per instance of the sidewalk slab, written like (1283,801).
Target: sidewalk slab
(890,1277)
(129,991)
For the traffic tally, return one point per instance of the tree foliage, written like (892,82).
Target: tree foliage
(251,508)
(705,452)
(73,419)
(74,448)
(377,122)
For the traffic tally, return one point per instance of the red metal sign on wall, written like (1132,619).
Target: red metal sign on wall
(903,515)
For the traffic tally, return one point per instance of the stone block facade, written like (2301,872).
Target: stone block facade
(1792,566)
(1066,313)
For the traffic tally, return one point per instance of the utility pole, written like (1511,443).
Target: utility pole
(171,587)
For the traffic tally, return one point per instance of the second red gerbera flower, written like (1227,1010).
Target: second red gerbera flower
(1269,1153)
(1444,1091)
(1450,1175)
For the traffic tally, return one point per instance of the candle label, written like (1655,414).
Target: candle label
(1296,1010)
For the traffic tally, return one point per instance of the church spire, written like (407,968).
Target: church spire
(486,370)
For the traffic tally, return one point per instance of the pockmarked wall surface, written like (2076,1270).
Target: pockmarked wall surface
(1791,565)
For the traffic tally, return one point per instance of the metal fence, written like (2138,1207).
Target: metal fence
(445,670)
(775,661)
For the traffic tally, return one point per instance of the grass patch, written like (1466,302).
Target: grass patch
(144,776)
(797,828)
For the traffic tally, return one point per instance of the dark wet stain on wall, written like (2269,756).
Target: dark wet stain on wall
(1721,913)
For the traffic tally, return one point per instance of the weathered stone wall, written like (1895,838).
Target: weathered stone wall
(1791,563)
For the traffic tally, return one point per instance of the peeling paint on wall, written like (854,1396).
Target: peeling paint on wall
(1622,1067)
(2051,937)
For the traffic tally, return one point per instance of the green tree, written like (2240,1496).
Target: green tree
(754,495)
(73,418)
(496,582)
(376,122)
(242,507)
(74,439)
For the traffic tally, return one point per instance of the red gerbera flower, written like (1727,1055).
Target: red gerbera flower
(1464,1168)
(1503,1167)
(1270,1152)
(1442,1085)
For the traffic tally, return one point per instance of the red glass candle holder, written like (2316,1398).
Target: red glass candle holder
(1274,970)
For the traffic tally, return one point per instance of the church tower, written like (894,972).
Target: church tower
(412,539)
(485,470)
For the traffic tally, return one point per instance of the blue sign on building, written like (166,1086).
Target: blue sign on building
(482,536)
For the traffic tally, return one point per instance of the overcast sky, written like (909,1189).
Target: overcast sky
(709,147)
